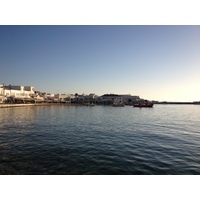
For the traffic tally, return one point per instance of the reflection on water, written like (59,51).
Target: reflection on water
(13,118)
(100,140)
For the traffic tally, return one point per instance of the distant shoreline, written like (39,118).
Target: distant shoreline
(188,103)
(79,104)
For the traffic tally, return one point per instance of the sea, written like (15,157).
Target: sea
(100,140)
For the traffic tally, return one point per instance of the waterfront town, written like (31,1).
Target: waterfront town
(15,94)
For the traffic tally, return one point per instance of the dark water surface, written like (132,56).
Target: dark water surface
(100,140)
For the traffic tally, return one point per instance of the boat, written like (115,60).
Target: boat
(89,104)
(147,105)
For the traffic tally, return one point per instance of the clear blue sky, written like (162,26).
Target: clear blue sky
(154,62)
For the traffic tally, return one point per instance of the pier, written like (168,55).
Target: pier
(15,105)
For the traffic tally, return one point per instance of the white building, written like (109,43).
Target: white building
(129,98)
(77,98)
(1,90)
(1,94)
(48,97)
(118,101)
(62,98)
(89,98)
(16,92)
(108,98)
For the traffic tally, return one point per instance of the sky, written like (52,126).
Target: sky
(154,62)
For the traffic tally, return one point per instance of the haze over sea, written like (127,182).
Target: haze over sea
(100,140)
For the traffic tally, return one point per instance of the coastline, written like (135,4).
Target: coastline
(80,104)
(37,104)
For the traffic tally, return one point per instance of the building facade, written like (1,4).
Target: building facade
(62,98)
(1,94)
(13,92)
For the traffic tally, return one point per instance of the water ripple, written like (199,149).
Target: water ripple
(100,140)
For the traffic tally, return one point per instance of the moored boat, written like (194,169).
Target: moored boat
(89,104)
(146,105)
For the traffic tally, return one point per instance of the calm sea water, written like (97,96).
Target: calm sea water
(100,140)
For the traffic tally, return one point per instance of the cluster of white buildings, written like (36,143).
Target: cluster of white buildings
(24,94)
(14,93)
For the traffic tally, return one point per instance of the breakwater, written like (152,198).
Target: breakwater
(15,105)
(34,104)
